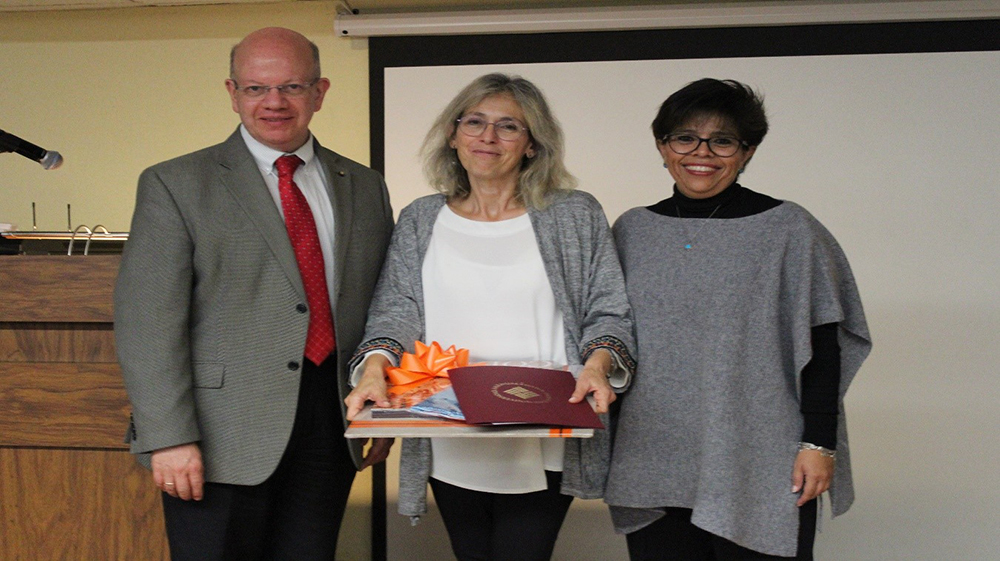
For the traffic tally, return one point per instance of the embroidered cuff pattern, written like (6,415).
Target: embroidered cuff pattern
(386,344)
(613,344)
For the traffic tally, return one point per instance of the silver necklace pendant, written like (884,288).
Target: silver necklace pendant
(690,244)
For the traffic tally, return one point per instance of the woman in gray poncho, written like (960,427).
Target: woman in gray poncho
(750,329)
(511,263)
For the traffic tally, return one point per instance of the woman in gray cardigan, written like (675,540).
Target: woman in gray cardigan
(511,263)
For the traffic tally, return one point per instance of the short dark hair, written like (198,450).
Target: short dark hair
(735,103)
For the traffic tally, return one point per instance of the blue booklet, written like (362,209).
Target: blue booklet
(442,404)
(433,398)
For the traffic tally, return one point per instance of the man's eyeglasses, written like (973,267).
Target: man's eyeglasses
(287,90)
(722,146)
(506,129)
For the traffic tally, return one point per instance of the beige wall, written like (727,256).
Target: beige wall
(115,91)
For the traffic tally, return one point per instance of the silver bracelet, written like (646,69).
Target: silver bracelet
(825,452)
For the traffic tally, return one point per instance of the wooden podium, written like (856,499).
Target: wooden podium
(69,489)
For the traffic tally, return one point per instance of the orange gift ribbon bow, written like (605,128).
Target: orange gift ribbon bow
(427,363)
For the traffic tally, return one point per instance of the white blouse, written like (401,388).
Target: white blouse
(485,289)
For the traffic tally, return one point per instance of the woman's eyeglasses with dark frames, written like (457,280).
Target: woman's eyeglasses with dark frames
(721,146)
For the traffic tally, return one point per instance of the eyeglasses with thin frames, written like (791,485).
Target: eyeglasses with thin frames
(288,90)
(506,129)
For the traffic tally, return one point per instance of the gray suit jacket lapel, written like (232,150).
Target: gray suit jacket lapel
(241,177)
(341,196)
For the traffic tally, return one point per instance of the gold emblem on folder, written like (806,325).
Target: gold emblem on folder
(520,393)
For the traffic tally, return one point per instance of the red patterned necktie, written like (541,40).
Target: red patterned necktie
(302,232)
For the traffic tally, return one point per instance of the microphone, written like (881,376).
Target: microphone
(48,158)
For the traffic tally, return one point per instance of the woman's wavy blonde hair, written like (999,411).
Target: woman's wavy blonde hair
(541,175)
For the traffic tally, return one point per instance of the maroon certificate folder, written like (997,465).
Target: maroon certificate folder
(515,394)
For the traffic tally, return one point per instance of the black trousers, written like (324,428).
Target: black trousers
(502,527)
(296,512)
(674,537)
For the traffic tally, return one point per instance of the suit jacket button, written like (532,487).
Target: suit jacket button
(301,308)
(293,365)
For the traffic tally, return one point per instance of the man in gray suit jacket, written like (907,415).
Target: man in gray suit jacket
(243,433)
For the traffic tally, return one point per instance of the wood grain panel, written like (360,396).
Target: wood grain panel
(78,504)
(62,405)
(57,288)
(57,342)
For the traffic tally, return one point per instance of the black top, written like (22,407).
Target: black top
(735,202)
(821,376)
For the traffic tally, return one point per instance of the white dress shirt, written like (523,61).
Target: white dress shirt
(312,182)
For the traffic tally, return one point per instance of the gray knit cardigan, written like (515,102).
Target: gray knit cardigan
(586,278)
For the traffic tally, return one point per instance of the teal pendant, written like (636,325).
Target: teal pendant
(688,246)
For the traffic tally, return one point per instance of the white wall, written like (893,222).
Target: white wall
(896,155)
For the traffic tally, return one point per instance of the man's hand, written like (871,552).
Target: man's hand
(377,452)
(178,471)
